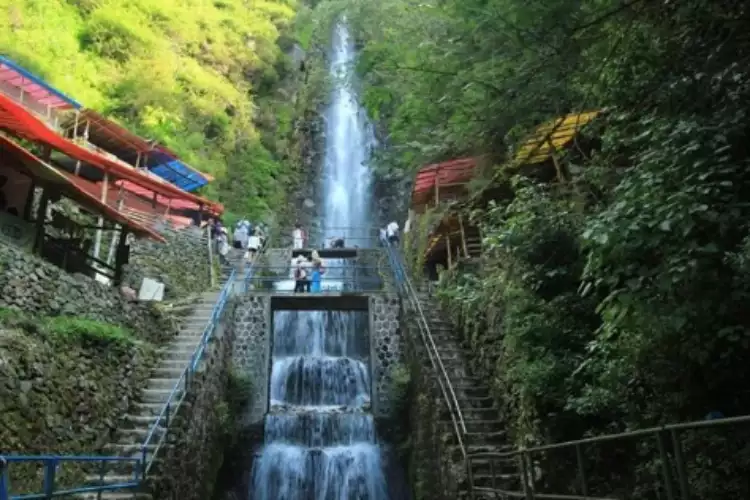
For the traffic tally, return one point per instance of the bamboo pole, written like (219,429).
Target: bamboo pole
(100,220)
(463,236)
(448,250)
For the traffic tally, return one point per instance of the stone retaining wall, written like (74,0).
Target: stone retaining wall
(385,348)
(182,264)
(39,288)
(251,356)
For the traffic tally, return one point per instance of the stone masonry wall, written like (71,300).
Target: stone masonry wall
(182,264)
(385,348)
(188,466)
(39,288)
(251,356)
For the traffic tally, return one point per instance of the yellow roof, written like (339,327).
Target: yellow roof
(558,132)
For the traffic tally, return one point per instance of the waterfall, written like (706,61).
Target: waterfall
(320,441)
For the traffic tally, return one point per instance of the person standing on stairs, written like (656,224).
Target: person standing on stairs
(317,272)
(392,233)
(222,242)
(298,237)
(299,278)
(253,245)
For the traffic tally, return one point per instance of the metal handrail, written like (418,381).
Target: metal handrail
(446,387)
(51,462)
(184,381)
(660,433)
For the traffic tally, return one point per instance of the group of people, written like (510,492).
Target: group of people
(307,273)
(389,234)
(245,237)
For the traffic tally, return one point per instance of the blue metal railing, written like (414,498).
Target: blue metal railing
(51,463)
(142,464)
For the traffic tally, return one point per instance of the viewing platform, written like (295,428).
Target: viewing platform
(320,301)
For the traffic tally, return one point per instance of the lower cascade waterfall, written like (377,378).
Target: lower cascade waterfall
(320,438)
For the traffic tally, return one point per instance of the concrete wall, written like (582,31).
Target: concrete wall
(251,356)
(385,348)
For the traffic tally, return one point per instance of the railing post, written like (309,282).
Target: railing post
(681,472)
(50,468)
(528,490)
(470,476)
(581,471)
(4,479)
(666,473)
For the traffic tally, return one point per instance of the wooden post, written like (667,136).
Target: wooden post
(100,220)
(121,258)
(448,250)
(117,233)
(27,207)
(211,273)
(41,216)
(463,236)
(437,191)
(558,167)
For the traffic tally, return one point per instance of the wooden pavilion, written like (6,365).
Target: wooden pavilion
(97,181)
(454,238)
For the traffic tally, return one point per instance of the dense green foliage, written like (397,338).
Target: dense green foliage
(614,300)
(203,78)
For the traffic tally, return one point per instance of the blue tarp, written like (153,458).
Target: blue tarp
(30,76)
(180,175)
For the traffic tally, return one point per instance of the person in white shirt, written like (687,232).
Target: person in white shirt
(240,237)
(298,237)
(253,245)
(391,232)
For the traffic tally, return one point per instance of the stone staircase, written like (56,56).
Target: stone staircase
(135,426)
(485,429)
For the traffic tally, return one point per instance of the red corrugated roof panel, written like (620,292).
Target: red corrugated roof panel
(16,119)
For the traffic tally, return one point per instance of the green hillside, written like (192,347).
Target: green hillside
(196,76)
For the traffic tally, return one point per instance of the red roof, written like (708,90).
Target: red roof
(72,186)
(16,118)
(450,172)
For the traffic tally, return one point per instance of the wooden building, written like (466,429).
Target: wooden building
(40,166)
(447,185)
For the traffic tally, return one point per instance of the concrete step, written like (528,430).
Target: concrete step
(162,383)
(510,482)
(488,466)
(479,426)
(156,395)
(150,409)
(116,495)
(134,450)
(499,437)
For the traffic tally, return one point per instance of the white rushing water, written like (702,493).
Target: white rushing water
(320,437)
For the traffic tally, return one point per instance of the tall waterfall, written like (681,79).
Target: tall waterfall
(319,434)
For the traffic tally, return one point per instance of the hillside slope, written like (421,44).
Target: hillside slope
(194,75)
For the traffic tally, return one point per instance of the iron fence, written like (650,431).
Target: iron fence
(642,464)
(51,465)
(445,385)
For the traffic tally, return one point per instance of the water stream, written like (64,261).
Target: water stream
(319,434)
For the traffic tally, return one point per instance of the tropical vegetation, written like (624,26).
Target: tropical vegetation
(612,299)
(206,79)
